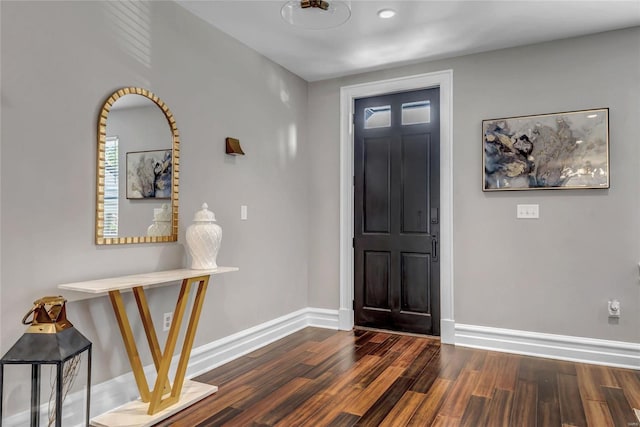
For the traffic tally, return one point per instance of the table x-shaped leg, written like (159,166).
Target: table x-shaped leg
(161,360)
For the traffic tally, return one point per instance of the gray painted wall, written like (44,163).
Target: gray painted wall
(60,60)
(553,275)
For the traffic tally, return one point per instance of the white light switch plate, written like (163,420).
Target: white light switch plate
(243,212)
(528,211)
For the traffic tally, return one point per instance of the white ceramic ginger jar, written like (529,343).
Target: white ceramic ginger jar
(203,240)
(161,222)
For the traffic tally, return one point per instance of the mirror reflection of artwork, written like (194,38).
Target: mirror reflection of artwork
(149,174)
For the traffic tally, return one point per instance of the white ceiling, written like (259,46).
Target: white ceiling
(421,30)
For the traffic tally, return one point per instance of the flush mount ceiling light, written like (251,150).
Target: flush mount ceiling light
(315,14)
(386,13)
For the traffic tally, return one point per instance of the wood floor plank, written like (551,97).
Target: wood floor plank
(385,346)
(548,400)
(445,421)
(402,412)
(621,411)
(426,412)
(524,412)
(630,383)
(207,407)
(508,376)
(385,403)
(425,380)
(344,419)
(597,414)
(571,409)
(365,349)
(489,373)
(314,410)
(421,362)
(591,378)
(328,347)
(308,409)
(475,413)
(367,377)
(268,383)
(220,418)
(380,337)
(263,406)
(459,396)
(499,412)
(476,360)
(340,360)
(410,353)
(372,393)
(454,359)
(296,399)
(329,412)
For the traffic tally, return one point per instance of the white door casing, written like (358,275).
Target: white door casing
(443,80)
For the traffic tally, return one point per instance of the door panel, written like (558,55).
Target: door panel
(415,177)
(376,185)
(415,271)
(376,276)
(396,208)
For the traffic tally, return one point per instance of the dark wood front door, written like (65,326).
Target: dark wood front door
(397,212)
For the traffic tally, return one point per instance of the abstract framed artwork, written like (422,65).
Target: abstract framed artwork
(567,150)
(149,174)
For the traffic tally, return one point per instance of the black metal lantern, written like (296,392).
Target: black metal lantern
(50,340)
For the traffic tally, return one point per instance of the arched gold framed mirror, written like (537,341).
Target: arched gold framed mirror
(137,170)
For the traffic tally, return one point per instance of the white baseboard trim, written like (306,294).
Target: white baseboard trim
(447,331)
(120,390)
(345,316)
(574,349)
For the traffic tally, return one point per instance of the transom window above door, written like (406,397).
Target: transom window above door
(412,113)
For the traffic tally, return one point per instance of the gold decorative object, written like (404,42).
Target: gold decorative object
(100,181)
(233,147)
(49,316)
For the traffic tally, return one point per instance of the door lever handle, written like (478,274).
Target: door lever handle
(434,247)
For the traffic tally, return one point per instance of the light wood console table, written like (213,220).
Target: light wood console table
(164,399)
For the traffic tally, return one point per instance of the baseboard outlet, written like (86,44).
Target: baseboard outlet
(120,390)
(574,349)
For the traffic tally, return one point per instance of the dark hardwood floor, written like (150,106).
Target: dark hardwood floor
(319,377)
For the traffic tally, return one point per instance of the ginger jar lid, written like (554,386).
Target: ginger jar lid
(162,214)
(204,215)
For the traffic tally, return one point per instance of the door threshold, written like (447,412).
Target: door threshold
(388,331)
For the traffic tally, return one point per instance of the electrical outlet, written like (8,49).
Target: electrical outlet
(166,321)
(528,211)
(614,308)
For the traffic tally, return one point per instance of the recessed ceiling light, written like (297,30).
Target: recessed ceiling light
(386,13)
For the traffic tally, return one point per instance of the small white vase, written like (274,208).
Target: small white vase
(203,240)
(161,222)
